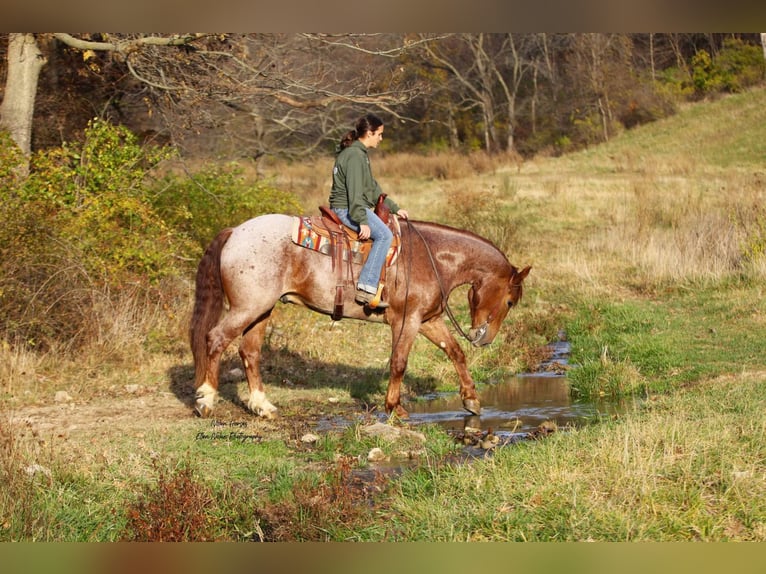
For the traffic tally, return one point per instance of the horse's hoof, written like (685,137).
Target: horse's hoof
(203,411)
(472,406)
(397,412)
(268,414)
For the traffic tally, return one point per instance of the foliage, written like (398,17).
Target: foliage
(706,77)
(102,205)
(80,230)
(737,66)
(217,197)
(11,163)
(675,84)
(742,65)
(88,226)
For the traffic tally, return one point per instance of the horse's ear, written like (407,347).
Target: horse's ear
(521,275)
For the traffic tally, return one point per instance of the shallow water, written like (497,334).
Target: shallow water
(518,405)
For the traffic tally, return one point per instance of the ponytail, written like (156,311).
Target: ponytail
(348,139)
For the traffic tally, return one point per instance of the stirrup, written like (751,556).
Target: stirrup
(377,302)
(372,300)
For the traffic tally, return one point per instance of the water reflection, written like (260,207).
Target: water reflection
(518,405)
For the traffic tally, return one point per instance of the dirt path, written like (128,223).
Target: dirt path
(74,424)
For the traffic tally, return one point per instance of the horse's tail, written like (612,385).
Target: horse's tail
(208,303)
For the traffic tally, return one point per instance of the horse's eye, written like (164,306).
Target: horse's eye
(510,304)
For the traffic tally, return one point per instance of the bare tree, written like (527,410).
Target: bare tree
(252,93)
(465,58)
(600,63)
(518,60)
(487,73)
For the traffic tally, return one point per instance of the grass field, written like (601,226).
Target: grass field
(648,251)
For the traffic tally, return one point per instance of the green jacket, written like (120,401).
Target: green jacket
(353,186)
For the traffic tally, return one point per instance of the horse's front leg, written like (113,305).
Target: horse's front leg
(436,331)
(250,353)
(404,333)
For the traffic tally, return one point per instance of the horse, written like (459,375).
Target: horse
(256,264)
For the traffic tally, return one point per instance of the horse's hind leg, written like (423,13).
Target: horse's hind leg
(207,392)
(250,353)
(218,339)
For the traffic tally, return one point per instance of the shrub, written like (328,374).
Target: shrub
(89,229)
(12,163)
(102,206)
(207,201)
(179,508)
(705,76)
(78,231)
(737,66)
(741,65)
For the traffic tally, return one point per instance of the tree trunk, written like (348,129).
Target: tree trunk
(510,144)
(25,60)
(763,43)
(454,138)
(533,110)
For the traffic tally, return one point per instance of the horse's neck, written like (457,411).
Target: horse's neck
(462,257)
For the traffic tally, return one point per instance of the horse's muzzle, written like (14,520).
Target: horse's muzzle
(476,336)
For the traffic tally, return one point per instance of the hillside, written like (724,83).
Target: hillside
(727,132)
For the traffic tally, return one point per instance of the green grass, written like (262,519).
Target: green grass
(689,466)
(680,337)
(706,135)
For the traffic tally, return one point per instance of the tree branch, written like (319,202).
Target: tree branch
(125,46)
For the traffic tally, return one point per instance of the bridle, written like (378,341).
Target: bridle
(474,335)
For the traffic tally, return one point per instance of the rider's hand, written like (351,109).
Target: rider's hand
(364,231)
(403,214)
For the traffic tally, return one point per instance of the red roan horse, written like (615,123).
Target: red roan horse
(256,264)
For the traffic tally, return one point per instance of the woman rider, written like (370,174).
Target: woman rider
(354,195)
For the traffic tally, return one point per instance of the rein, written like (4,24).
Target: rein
(445,301)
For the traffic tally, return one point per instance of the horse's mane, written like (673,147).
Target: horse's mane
(464,234)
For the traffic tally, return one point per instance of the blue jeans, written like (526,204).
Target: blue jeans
(381,242)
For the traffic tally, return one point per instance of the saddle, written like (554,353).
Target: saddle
(327,234)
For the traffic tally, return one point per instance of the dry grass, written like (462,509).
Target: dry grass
(629,217)
(407,177)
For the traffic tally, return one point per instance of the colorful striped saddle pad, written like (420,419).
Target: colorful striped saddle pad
(310,232)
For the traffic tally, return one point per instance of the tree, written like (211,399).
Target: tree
(486,73)
(25,60)
(469,65)
(273,90)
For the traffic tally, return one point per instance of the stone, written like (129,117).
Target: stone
(391,433)
(309,438)
(376,455)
